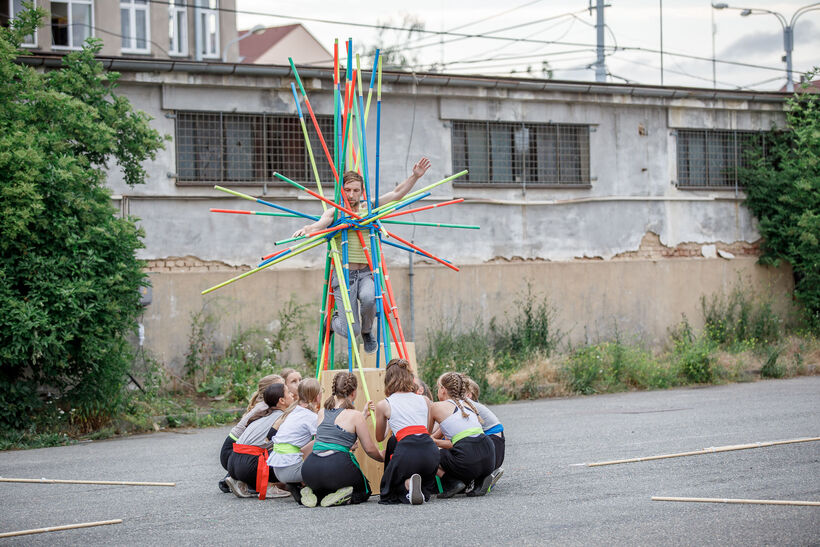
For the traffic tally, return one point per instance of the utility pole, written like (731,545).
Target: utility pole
(600,63)
(661,10)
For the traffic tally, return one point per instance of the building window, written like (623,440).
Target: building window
(521,153)
(209,28)
(9,10)
(178,27)
(135,26)
(71,23)
(712,158)
(247,148)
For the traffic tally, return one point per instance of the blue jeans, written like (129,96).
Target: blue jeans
(362,292)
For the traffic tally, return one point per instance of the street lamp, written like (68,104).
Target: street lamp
(788,31)
(258,29)
(721,5)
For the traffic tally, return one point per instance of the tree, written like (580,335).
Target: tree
(392,41)
(783,192)
(69,278)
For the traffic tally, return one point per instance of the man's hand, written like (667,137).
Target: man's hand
(421,167)
(301,232)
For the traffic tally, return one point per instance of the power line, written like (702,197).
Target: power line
(465,36)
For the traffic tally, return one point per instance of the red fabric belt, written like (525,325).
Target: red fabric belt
(262,469)
(411,430)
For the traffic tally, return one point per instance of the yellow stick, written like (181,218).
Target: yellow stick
(312,243)
(58,528)
(711,450)
(729,500)
(115,483)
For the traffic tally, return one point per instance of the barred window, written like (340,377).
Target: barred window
(711,158)
(521,153)
(222,147)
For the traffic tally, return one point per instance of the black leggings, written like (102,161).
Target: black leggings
(499,442)
(243,467)
(226,451)
(472,458)
(326,474)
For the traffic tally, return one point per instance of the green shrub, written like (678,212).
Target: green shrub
(69,278)
(782,185)
(695,359)
(772,368)
(740,321)
(468,352)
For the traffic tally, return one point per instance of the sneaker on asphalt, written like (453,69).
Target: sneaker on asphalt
(496,475)
(339,497)
(451,488)
(239,488)
(276,492)
(415,495)
(370,344)
(483,487)
(223,486)
(308,497)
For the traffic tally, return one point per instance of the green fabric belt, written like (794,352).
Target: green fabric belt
(285,448)
(320,447)
(232,437)
(466,433)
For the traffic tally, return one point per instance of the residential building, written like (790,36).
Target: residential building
(172,29)
(277,44)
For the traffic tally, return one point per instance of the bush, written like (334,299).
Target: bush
(782,185)
(69,278)
(739,321)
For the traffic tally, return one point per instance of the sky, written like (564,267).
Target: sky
(518,37)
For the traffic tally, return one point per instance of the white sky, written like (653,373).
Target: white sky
(756,39)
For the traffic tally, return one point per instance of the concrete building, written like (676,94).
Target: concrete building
(620,203)
(174,29)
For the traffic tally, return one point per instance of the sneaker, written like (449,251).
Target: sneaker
(223,486)
(451,488)
(483,487)
(414,495)
(308,497)
(496,475)
(276,492)
(239,488)
(339,497)
(370,344)
(470,488)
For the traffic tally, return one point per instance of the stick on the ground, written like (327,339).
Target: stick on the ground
(711,450)
(58,528)
(115,483)
(729,500)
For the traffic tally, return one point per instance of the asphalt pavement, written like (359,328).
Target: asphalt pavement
(546,496)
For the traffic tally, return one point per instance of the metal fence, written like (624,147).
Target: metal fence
(248,148)
(712,158)
(521,153)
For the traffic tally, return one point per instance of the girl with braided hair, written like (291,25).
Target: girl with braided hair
(331,472)
(472,457)
(294,437)
(409,476)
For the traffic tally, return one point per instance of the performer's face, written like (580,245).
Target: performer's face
(353,192)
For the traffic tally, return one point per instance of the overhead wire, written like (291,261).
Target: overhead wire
(484,36)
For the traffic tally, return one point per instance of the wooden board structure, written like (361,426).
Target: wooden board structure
(372,469)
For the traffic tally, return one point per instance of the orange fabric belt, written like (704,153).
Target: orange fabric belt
(262,469)
(411,430)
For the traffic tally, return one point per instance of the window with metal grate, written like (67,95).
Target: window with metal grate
(248,148)
(711,158)
(521,153)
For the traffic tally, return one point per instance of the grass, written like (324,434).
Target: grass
(743,339)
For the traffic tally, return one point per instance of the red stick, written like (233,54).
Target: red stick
(426,207)
(422,251)
(231,211)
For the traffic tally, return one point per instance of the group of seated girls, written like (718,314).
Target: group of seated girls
(298,448)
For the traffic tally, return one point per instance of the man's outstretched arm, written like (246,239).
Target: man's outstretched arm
(401,190)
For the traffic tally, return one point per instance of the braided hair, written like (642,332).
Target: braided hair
(455,384)
(344,383)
